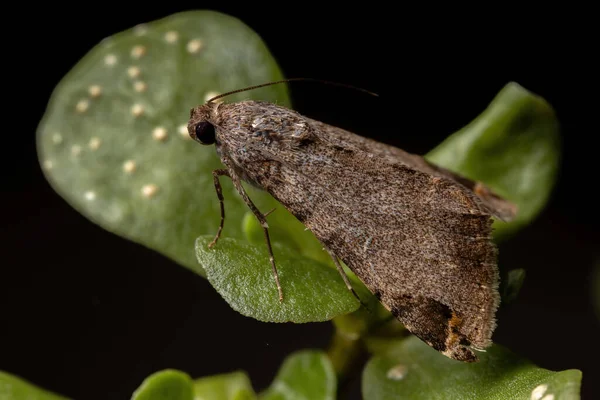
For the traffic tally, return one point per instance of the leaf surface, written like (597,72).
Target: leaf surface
(242,275)
(231,386)
(411,369)
(113,141)
(304,375)
(168,384)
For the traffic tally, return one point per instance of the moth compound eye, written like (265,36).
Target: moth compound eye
(205,133)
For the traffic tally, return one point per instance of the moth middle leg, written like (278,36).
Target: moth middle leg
(261,219)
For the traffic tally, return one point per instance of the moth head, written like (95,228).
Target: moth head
(200,127)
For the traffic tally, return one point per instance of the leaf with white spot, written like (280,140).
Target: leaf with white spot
(304,375)
(411,369)
(113,141)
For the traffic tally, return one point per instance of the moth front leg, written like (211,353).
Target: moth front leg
(263,223)
(216,174)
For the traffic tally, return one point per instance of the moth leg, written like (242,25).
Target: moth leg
(268,212)
(336,261)
(216,174)
(263,222)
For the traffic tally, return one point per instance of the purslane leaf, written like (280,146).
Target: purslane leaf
(113,140)
(242,274)
(304,375)
(13,387)
(168,384)
(513,146)
(231,386)
(411,369)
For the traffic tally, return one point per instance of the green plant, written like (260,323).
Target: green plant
(113,144)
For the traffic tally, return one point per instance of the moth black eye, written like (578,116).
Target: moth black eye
(205,133)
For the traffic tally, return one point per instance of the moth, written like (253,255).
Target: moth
(416,234)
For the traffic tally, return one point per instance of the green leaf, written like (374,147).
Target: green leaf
(231,386)
(242,275)
(513,147)
(304,375)
(167,384)
(15,388)
(113,142)
(410,369)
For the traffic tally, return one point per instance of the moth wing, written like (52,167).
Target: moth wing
(420,242)
(496,205)
(445,293)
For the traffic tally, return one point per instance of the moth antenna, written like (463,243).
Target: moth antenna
(292,80)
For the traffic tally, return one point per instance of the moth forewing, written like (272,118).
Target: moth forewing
(417,236)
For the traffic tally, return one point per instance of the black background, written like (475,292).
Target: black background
(90,315)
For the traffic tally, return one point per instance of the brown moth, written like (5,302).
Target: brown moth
(417,235)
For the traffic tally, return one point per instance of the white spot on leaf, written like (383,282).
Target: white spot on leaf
(75,149)
(183,131)
(548,397)
(137,110)
(194,46)
(171,36)
(138,51)
(110,60)
(159,133)
(90,195)
(129,166)
(95,90)
(538,392)
(140,86)
(48,164)
(149,190)
(95,143)
(57,138)
(133,71)
(397,372)
(82,106)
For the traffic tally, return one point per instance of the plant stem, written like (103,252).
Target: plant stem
(346,351)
